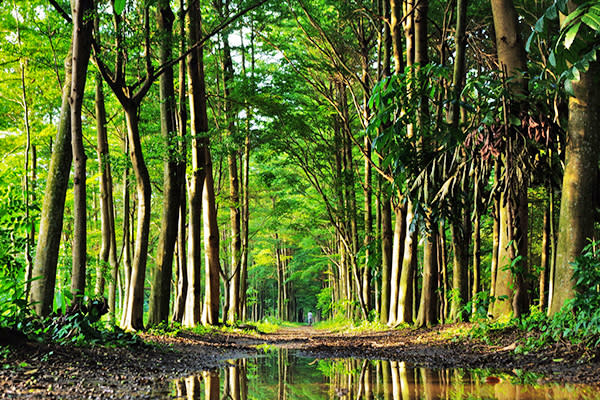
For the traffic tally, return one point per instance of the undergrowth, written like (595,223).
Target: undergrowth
(577,322)
(77,325)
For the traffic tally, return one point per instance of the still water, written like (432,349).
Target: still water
(286,375)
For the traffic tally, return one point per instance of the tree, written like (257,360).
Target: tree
(510,291)
(580,178)
(160,294)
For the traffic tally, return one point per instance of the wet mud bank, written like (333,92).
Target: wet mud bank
(34,370)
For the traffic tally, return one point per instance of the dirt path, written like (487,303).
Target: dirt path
(35,370)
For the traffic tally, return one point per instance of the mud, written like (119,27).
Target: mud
(38,371)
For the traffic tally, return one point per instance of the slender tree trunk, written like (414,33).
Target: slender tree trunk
(580,181)
(428,304)
(364,43)
(199,129)
(476,286)
(400,232)
(161,285)
(107,229)
(386,258)
(134,318)
(234,186)
(460,236)
(182,270)
(405,291)
(444,271)
(396,33)
(495,239)
(82,11)
(126,281)
(210,313)
(26,178)
(245,228)
(545,260)
(51,218)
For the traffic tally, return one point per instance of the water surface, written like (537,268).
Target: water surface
(287,375)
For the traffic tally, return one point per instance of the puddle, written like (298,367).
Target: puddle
(287,375)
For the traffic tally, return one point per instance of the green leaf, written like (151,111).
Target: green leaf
(119,6)
(569,87)
(551,13)
(528,43)
(561,6)
(552,58)
(571,34)
(591,20)
(539,25)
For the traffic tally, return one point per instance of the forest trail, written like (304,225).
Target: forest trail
(138,371)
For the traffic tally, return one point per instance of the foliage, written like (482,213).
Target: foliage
(577,43)
(578,321)
(80,325)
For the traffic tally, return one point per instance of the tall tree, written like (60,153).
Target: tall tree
(160,295)
(52,215)
(580,179)
(83,27)
(510,291)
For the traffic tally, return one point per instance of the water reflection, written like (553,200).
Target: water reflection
(285,375)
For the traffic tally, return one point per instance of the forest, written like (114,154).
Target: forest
(205,163)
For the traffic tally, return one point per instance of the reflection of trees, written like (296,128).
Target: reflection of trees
(286,377)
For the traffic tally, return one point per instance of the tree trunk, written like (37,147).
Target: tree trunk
(428,305)
(400,230)
(81,11)
(513,209)
(108,249)
(134,317)
(460,285)
(396,33)
(405,291)
(51,217)
(476,255)
(126,281)
(160,293)
(210,314)
(182,270)
(234,186)
(580,181)
(545,260)
(199,129)
(495,239)
(245,228)
(386,258)
(28,193)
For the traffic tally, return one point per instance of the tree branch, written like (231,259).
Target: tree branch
(60,10)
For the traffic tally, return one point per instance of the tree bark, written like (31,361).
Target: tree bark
(210,313)
(428,305)
(405,292)
(134,317)
(108,250)
(234,185)
(182,270)
(386,258)
(400,233)
(160,293)
(83,24)
(580,182)
(51,218)
(545,260)
(513,209)
(199,129)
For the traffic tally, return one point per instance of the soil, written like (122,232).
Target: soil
(36,371)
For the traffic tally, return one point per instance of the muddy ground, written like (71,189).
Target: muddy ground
(39,371)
